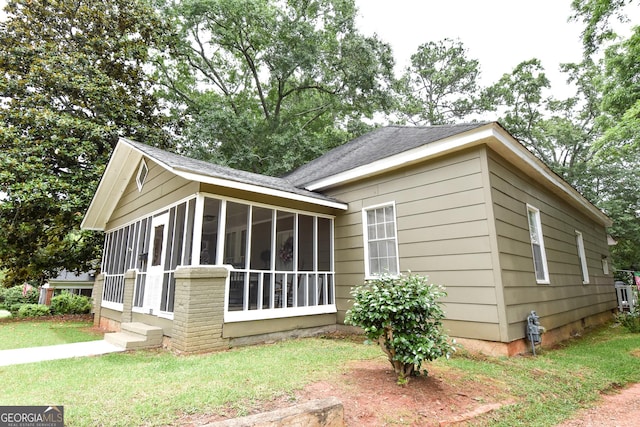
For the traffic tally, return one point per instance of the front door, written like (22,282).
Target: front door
(155,269)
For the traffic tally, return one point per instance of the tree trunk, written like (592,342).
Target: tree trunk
(403,371)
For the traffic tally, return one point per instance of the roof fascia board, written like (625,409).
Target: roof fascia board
(99,208)
(236,185)
(453,143)
(524,155)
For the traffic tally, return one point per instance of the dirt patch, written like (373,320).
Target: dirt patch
(371,397)
(620,409)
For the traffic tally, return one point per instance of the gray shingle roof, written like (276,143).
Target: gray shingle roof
(201,167)
(379,144)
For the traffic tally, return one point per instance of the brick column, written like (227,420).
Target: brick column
(96,295)
(198,312)
(127,295)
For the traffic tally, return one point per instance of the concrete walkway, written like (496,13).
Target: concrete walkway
(53,352)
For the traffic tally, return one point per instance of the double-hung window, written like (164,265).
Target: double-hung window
(380,238)
(582,258)
(537,245)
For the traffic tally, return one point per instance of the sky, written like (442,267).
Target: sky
(500,34)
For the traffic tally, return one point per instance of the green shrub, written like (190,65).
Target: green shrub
(631,320)
(14,295)
(67,303)
(33,310)
(403,315)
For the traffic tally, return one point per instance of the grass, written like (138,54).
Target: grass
(156,387)
(550,387)
(19,334)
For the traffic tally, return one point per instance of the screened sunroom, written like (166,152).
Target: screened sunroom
(280,260)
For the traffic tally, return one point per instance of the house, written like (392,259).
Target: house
(75,283)
(218,257)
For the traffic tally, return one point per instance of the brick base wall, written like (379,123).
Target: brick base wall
(198,313)
(107,324)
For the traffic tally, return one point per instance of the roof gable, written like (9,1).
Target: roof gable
(126,157)
(199,170)
(395,147)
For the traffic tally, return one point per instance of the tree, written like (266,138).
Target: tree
(618,144)
(596,16)
(266,85)
(71,82)
(620,199)
(403,315)
(440,86)
(559,132)
(520,99)
(621,95)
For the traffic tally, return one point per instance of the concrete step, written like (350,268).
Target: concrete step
(127,341)
(139,328)
(136,335)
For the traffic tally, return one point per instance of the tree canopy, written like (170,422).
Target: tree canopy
(616,143)
(265,85)
(71,82)
(596,16)
(441,85)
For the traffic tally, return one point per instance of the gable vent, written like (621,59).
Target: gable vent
(143,171)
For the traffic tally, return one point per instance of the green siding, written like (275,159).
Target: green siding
(443,232)
(161,189)
(566,299)
(270,326)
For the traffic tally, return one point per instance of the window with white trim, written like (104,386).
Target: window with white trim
(582,258)
(380,238)
(143,171)
(537,245)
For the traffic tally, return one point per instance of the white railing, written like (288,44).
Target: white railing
(113,291)
(260,294)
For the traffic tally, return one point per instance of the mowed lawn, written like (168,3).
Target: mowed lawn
(20,334)
(157,387)
(154,387)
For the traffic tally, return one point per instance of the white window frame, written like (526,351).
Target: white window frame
(365,234)
(141,176)
(582,258)
(605,265)
(537,232)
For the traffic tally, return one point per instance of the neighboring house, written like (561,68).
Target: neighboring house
(218,257)
(75,283)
